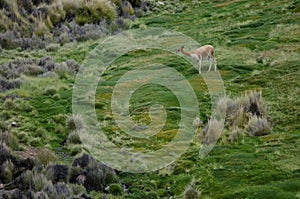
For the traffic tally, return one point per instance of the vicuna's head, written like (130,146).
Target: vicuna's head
(179,49)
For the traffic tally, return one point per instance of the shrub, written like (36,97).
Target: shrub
(41,195)
(62,70)
(235,135)
(94,175)
(9,139)
(6,84)
(25,181)
(138,12)
(53,47)
(16,194)
(5,154)
(51,191)
(35,142)
(75,149)
(77,189)
(73,65)
(50,91)
(39,181)
(74,122)
(127,9)
(115,189)
(225,107)
(59,119)
(82,161)
(41,28)
(212,131)
(26,4)
(24,106)
(44,61)
(23,137)
(25,164)
(93,11)
(74,174)
(93,178)
(3,124)
(135,3)
(152,195)
(6,173)
(239,118)
(57,13)
(34,70)
(197,123)
(247,112)
(74,138)
(45,156)
(62,190)
(70,7)
(9,104)
(191,193)
(57,173)
(256,105)
(258,126)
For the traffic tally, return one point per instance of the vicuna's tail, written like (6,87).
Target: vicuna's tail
(212,52)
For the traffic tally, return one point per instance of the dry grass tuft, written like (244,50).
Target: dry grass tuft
(258,126)
(212,131)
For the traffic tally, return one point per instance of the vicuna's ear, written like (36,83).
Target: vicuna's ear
(182,46)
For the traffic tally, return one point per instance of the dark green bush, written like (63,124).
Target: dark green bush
(57,173)
(62,190)
(151,195)
(135,3)
(6,172)
(115,189)
(92,174)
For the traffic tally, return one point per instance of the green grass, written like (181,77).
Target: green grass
(257,47)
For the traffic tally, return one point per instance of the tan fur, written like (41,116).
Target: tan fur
(204,52)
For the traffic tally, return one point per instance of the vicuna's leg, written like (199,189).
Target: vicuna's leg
(214,59)
(215,62)
(209,60)
(200,63)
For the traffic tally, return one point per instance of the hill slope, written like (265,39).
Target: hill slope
(257,47)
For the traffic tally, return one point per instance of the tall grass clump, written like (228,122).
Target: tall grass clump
(74,122)
(212,131)
(91,11)
(127,9)
(238,111)
(248,113)
(9,139)
(36,24)
(73,137)
(46,156)
(258,126)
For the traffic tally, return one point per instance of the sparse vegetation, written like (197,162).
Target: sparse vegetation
(37,24)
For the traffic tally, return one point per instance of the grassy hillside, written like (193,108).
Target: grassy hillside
(33,24)
(257,48)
